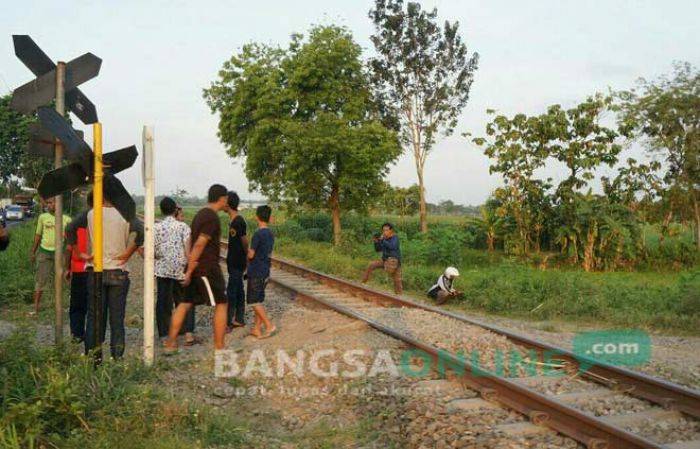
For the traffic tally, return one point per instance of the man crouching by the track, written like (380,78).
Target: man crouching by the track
(204,282)
(444,289)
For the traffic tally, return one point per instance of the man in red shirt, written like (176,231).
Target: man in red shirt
(76,255)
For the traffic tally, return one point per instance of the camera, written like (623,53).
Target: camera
(377,235)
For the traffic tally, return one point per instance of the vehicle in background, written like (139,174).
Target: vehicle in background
(14,212)
(26,201)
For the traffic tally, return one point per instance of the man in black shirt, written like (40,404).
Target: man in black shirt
(204,282)
(236,263)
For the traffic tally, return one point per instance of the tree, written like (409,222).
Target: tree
(179,194)
(518,146)
(424,73)
(399,200)
(15,162)
(581,142)
(306,122)
(665,114)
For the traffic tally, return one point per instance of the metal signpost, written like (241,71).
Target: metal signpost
(53,82)
(54,137)
(98,240)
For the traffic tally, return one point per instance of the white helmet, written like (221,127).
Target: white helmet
(451,272)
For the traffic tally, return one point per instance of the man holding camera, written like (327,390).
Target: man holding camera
(388,244)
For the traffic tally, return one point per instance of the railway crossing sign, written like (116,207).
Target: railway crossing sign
(41,141)
(42,90)
(40,64)
(80,172)
(74,146)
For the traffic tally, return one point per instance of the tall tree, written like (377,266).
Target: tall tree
(306,122)
(424,72)
(665,113)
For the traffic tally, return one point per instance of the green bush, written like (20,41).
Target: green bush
(507,286)
(689,294)
(440,246)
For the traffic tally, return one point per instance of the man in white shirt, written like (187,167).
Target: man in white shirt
(117,249)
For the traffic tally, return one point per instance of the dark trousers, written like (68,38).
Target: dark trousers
(236,297)
(115,288)
(78,304)
(170,295)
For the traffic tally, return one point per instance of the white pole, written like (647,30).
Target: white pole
(148,260)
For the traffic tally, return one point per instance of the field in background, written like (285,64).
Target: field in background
(662,295)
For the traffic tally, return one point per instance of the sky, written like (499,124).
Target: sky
(158,56)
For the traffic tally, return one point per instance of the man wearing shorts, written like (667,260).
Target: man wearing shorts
(259,271)
(204,282)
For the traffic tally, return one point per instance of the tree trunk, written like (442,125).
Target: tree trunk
(419,157)
(422,207)
(489,241)
(589,248)
(696,204)
(334,203)
(664,226)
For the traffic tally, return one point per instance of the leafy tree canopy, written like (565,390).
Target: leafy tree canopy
(306,122)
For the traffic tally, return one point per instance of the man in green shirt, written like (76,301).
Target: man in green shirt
(45,243)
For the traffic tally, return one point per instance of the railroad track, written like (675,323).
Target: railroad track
(567,400)
(564,403)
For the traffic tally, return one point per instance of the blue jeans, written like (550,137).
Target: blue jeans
(115,288)
(236,297)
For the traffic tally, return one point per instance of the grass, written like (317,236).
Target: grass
(15,266)
(55,397)
(655,301)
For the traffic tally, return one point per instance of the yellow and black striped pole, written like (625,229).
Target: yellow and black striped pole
(97,241)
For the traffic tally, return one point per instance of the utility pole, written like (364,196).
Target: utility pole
(58,218)
(149,259)
(97,243)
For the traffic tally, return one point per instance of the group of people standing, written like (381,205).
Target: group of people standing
(187,267)
(189,272)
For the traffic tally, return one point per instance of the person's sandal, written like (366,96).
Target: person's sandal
(195,341)
(268,334)
(169,350)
